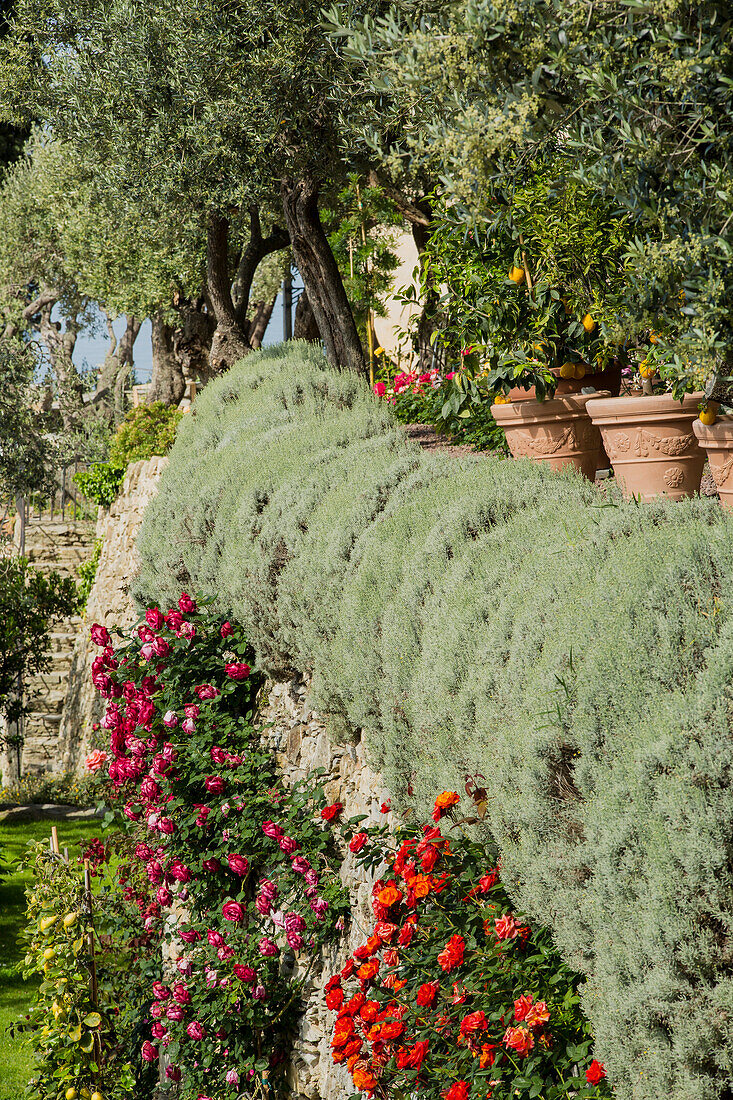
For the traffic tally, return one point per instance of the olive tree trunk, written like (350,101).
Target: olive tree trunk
(168,383)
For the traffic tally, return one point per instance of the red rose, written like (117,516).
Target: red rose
(475,1022)
(186,604)
(214,784)
(206,691)
(518,1039)
(149,1052)
(100,635)
(368,969)
(595,1073)
(237,670)
(357,842)
(458,1091)
(522,1006)
(334,999)
(226,629)
(538,1015)
(328,813)
(386,807)
(427,993)
(238,864)
(452,954)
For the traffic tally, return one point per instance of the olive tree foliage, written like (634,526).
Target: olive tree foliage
(27,454)
(636,98)
(219,108)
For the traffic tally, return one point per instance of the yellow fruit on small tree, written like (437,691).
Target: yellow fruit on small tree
(70,1094)
(567,370)
(502,399)
(580,371)
(516,274)
(49,953)
(647,369)
(589,324)
(97,1096)
(709,414)
(47,922)
(70,919)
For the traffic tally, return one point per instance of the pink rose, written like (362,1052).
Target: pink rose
(263,905)
(154,871)
(149,790)
(232,1077)
(244,973)
(149,1053)
(238,864)
(506,927)
(95,760)
(142,851)
(215,938)
(166,826)
(226,629)
(154,618)
(301,865)
(269,828)
(380,389)
(319,907)
(259,993)
(214,784)
(174,1012)
(111,719)
(295,940)
(188,725)
(164,896)
(237,670)
(174,619)
(170,719)
(188,630)
(268,947)
(233,911)
(162,647)
(218,755)
(311,877)
(189,935)
(147,651)
(130,812)
(100,635)
(169,754)
(145,634)
(195,1030)
(181,994)
(206,691)
(268,889)
(212,864)
(173,1073)
(179,871)
(156,1010)
(186,604)
(159,1031)
(287,844)
(294,922)
(160,992)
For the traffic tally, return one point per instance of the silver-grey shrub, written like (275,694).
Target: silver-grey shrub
(480,616)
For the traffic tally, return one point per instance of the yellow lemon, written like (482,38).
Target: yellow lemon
(502,399)
(70,919)
(647,369)
(516,274)
(49,953)
(567,370)
(70,1094)
(47,922)
(97,1096)
(579,371)
(709,414)
(589,324)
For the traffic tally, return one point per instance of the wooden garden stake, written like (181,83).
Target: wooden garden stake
(92,962)
(55,841)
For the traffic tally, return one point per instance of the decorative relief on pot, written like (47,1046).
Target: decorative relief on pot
(674,477)
(644,442)
(721,473)
(525,444)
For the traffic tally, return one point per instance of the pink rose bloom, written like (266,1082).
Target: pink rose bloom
(173,1073)
(174,1012)
(179,872)
(189,935)
(380,389)
(263,905)
(95,760)
(162,647)
(215,938)
(111,719)
(233,911)
(154,871)
(232,1077)
(192,710)
(224,953)
(188,630)
(268,889)
(159,1031)
(212,864)
(269,828)
(244,973)
(195,1030)
(169,754)
(184,967)
(268,947)
(149,1053)
(294,922)
(206,691)
(160,992)
(226,629)
(211,976)
(295,940)
(186,604)
(237,670)
(311,877)
(287,844)
(164,896)
(154,618)
(156,1010)
(259,993)
(174,619)
(100,635)
(188,725)
(170,719)
(181,994)
(145,634)
(278,919)
(214,784)
(506,927)
(166,826)
(319,907)
(147,652)
(142,851)
(225,810)
(149,790)
(238,864)
(130,813)
(218,755)
(301,865)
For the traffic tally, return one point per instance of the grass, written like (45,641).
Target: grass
(16,1057)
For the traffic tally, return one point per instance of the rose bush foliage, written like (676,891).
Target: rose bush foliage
(453,995)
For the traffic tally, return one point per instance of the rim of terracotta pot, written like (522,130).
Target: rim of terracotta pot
(641,408)
(720,430)
(538,411)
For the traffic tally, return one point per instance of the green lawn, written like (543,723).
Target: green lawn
(15,994)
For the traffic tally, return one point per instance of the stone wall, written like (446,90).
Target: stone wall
(301,744)
(109,603)
(51,546)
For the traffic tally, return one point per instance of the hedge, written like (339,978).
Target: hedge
(487,616)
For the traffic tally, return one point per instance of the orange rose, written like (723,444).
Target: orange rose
(444,802)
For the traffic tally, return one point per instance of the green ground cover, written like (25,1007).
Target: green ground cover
(16,1057)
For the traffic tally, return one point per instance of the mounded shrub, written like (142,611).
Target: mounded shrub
(484,616)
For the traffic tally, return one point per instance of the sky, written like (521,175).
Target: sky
(91,349)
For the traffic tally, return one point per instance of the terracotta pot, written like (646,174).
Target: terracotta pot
(717,439)
(557,432)
(607,379)
(651,444)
